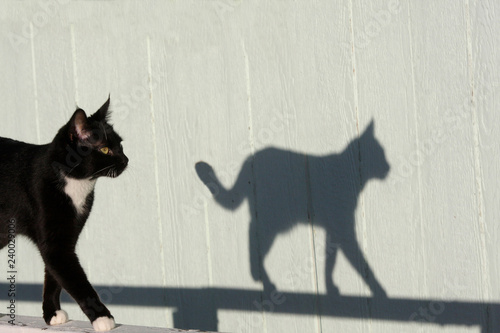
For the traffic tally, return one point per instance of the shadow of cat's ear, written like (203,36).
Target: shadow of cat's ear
(369,130)
(371,127)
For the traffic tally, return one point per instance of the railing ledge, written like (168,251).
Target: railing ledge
(25,324)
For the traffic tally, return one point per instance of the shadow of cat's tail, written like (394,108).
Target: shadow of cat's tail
(229,199)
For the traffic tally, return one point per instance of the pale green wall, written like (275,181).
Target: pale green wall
(219,80)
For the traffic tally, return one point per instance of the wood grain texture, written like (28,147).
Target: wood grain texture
(220,81)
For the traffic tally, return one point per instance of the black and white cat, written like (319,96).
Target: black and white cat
(47,191)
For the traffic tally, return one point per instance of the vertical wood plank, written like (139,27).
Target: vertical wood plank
(115,61)
(445,137)
(39,96)
(300,77)
(198,116)
(485,84)
(388,221)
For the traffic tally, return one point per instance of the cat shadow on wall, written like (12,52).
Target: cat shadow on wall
(285,188)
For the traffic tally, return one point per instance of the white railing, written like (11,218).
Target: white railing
(24,324)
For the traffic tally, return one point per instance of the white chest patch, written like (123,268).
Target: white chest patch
(78,190)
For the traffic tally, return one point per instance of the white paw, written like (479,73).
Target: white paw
(60,318)
(103,324)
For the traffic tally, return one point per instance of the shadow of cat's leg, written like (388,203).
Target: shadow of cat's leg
(258,251)
(255,260)
(331,257)
(358,261)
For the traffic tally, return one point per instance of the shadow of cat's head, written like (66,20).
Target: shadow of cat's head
(374,164)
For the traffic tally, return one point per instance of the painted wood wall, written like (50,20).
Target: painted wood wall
(221,80)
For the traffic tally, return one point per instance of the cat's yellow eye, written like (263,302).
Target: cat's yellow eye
(104,150)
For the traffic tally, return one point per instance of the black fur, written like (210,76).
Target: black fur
(32,182)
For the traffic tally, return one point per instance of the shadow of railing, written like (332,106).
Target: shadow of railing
(198,307)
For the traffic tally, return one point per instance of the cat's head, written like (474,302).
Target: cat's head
(373,161)
(88,147)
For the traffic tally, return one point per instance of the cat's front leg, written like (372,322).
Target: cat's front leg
(52,313)
(64,267)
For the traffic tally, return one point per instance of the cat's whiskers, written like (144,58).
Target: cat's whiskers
(112,172)
(108,167)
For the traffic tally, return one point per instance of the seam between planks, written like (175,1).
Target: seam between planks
(35,87)
(356,112)
(417,139)
(485,288)
(252,150)
(155,149)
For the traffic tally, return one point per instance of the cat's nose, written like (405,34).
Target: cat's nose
(125,160)
(387,170)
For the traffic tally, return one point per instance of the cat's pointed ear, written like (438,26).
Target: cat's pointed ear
(78,128)
(103,113)
(370,129)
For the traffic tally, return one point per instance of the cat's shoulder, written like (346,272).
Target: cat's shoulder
(12,150)
(9,142)
(6,143)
